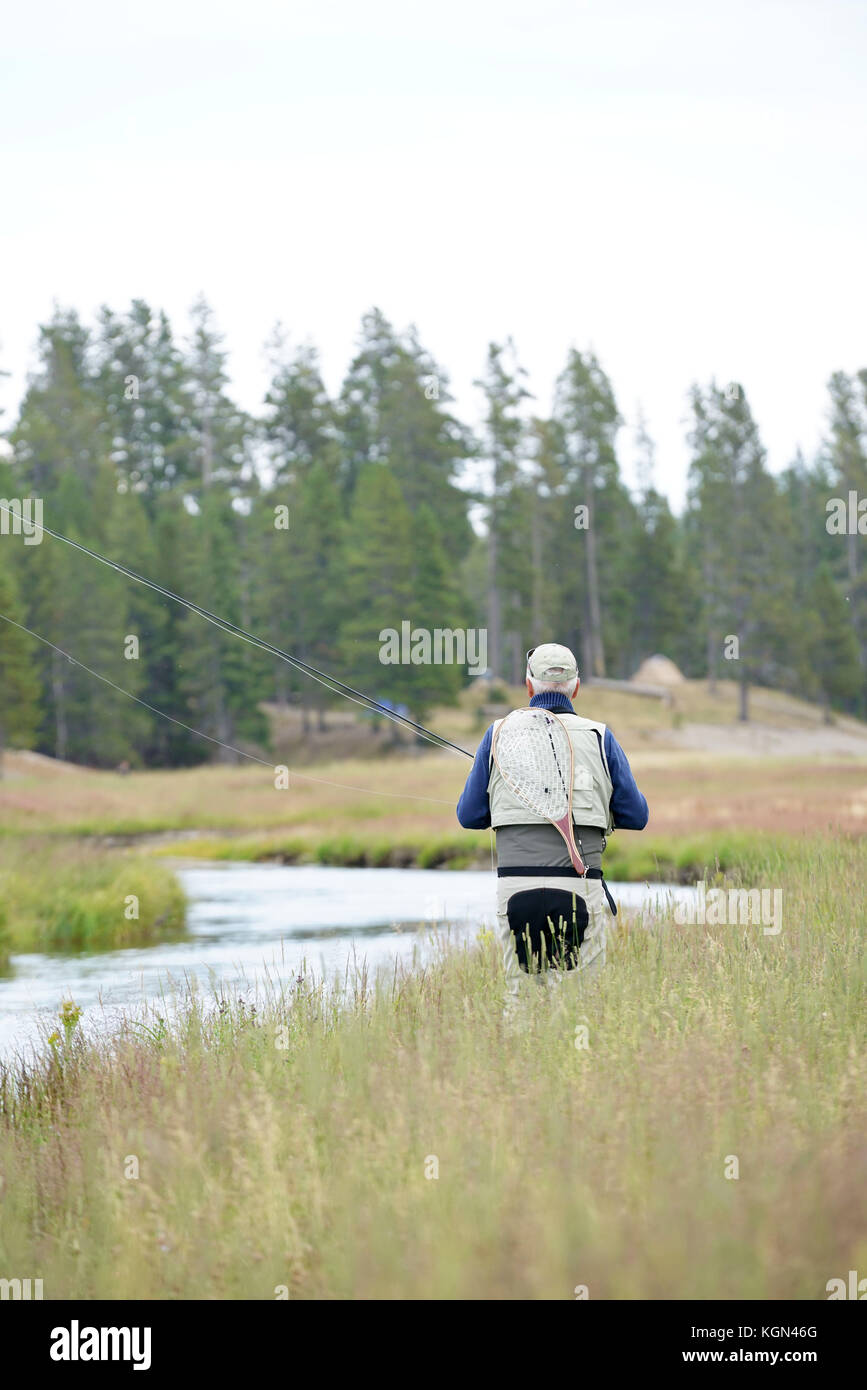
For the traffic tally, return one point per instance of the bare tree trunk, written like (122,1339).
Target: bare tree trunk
(495,638)
(594,612)
(246,615)
(536,553)
(517,661)
(852,556)
(857,600)
(707,576)
(744,630)
(59,696)
(224,731)
(711,661)
(207,451)
(222,719)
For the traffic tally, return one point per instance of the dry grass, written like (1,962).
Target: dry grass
(688,792)
(290,1147)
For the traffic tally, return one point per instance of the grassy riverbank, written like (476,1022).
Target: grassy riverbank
(628,858)
(401,810)
(76,843)
(63,895)
(398,1140)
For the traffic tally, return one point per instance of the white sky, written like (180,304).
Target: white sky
(678,185)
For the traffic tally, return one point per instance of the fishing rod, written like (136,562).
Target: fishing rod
(242,753)
(329,682)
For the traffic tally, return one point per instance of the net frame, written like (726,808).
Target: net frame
(533,752)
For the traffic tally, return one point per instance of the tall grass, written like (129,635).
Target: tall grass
(66,896)
(294,1143)
(628,858)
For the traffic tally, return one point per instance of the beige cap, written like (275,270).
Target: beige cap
(551,662)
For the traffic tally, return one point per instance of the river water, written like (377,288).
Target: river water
(253,923)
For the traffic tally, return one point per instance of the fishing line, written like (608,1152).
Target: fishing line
(331,683)
(344,786)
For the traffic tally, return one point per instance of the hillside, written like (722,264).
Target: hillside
(700,770)
(690,717)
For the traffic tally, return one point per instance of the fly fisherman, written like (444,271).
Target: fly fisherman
(545,910)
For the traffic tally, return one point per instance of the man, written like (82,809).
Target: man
(546,913)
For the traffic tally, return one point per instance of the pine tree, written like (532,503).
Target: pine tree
(60,423)
(503,389)
(832,646)
(19,684)
(299,420)
(218,434)
(846,453)
(587,414)
(740,524)
(551,538)
(61,456)
(392,410)
(130,539)
(140,380)
(318,544)
(219,675)
(709,511)
(436,605)
(273,574)
(654,562)
(379,585)
(174,544)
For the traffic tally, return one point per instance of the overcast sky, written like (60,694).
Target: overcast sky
(678,185)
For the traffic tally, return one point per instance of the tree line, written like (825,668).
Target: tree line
(321,521)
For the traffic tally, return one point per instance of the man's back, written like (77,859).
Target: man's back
(535,873)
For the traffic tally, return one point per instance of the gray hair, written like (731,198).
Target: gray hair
(558,687)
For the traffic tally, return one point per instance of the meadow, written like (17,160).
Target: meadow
(786,773)
(75,842)
(64,895)
(691,1126)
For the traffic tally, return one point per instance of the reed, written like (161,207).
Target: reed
(393,1136)
(61,895)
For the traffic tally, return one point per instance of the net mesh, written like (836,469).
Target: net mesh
(534,755)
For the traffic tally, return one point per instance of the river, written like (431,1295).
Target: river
(250,923)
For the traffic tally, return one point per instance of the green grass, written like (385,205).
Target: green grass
(59,896)
(628,858)
(359,850)
(686,859)
(289,1147)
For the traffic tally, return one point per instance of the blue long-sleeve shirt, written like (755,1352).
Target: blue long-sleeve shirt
(628,806)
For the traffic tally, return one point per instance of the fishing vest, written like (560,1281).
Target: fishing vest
(591,782)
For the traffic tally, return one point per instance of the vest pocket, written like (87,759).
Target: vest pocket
(582,791)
